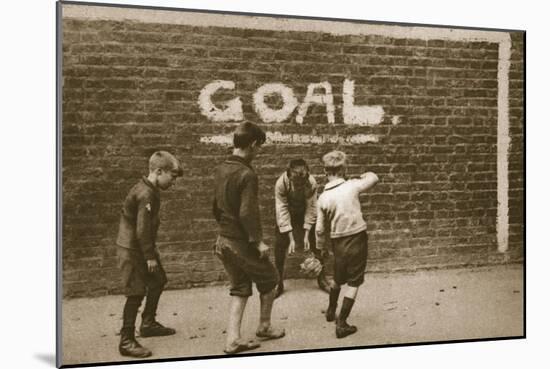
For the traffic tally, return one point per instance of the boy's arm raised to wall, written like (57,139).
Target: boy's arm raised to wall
(366,181)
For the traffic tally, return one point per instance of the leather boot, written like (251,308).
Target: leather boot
(129,346)
(343,329)
(150,328)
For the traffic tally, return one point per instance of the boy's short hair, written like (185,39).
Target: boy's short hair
(247,133)
(334,162)
(295,163)
(165,161)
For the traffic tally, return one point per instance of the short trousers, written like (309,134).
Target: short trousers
(136,278)
(350,259)
(244,266)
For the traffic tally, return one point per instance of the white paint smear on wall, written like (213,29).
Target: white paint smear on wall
(503,144)
(278,138)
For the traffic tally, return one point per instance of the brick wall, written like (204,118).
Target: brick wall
(131,88)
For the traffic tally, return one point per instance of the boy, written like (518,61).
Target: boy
(142,272)
(296,212)
(239,245)
(339,216)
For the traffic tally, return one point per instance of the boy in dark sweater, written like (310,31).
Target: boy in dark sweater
(239,245)
(139,262)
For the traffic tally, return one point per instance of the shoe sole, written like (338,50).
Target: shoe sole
(155,335)
(138,356)
(242,348)
(342,335)
(267,337)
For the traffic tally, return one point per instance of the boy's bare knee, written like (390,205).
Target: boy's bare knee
(268,293)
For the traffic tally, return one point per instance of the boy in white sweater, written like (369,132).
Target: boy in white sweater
(339,217)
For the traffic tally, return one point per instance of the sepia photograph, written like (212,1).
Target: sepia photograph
(241,184)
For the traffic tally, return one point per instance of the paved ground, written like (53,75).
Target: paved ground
(390,309)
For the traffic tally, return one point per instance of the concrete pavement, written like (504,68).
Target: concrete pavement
(391,308)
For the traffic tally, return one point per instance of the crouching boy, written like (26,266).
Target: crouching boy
(142,272)
(296,212)
(339,217)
